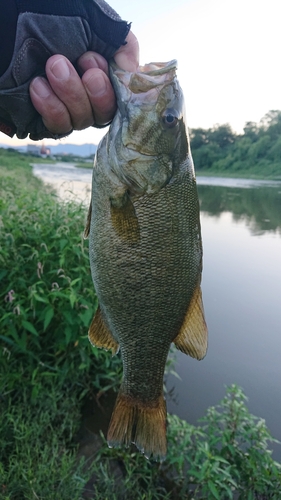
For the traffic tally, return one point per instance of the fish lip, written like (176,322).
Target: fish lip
(162,68)
(158,68)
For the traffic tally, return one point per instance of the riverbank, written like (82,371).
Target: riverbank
(241,174)
(48,368)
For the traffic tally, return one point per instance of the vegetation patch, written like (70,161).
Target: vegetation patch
(47,367)
(254,154)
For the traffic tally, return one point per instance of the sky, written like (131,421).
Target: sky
(228,54)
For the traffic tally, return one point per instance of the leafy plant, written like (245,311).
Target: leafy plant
(47,298)
(225,457)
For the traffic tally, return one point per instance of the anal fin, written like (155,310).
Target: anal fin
(193,336)
(100,335)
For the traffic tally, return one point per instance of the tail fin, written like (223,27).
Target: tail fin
(142,424)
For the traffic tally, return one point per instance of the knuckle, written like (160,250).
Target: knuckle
(84,123)
(57,119)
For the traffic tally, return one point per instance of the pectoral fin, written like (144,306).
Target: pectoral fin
(193,336)
(88,222)
(124,219)
(100,335)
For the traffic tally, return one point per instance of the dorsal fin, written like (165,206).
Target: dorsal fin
(100,335)
(193,336)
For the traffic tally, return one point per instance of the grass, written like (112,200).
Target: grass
(47,368)
(84,165)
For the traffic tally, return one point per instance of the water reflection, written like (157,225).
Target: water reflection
(70,182)
(258,204)
(241,230)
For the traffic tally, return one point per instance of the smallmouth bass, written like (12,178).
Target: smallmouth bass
(145,248)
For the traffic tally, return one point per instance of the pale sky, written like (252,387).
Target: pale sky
(228,54)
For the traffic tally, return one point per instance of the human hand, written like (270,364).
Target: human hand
(66,102)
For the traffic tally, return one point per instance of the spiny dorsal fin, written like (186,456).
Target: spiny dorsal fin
(124,220)
(88,222)
(100,335)
(193,336)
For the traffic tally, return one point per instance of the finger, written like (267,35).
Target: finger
(54,113)
(127,57)
(97,83)
(90,60)
(101,95)
(67,85)
(98,86)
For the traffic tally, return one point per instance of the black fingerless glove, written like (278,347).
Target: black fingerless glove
(44,28)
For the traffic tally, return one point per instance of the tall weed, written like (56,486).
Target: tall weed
(47,298)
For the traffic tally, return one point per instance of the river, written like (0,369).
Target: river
(241,230)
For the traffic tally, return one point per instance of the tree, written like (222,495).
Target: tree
(223,135)
(198,137)
(251,130)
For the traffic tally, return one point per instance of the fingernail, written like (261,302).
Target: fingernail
(96,86)
(60,69)
(40,87)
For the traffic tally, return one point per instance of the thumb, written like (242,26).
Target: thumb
(127,57)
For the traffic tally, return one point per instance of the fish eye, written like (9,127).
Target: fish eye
(170,118)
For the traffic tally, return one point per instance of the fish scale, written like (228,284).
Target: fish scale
(145,249)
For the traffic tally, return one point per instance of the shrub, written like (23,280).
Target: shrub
(47,298)
(225,457)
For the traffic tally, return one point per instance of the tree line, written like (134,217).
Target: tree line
(257,150)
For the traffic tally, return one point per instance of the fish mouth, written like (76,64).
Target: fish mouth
(146,77)
(157,68)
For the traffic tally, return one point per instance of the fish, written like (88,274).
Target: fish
(145,249)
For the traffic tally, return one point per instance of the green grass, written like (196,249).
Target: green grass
(47,368)
(47,301)
(84,165)
(10,159)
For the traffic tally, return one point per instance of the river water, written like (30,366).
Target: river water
(241,230)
